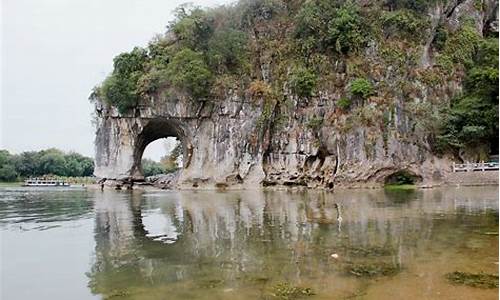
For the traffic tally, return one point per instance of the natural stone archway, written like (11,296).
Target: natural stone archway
(156,129)
(120,144)
(215,148)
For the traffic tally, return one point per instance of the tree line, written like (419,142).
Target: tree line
(51,161)
(15,167)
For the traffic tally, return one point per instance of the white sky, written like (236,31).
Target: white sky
(54,51)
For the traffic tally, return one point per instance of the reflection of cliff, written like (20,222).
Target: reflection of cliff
(169,237)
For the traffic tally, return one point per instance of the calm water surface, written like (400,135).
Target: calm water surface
(86,244)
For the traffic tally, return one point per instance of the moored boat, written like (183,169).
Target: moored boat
(45,182)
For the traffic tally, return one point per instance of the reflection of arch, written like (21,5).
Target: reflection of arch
(235,230)
(156,129)
(147,244)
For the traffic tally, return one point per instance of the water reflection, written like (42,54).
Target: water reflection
(32,208)
(186,243)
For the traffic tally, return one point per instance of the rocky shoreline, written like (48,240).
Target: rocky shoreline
(170,182)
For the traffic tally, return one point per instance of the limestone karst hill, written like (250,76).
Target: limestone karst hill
(308,93)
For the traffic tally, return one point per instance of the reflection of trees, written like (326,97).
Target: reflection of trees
(39,205)
(252,234)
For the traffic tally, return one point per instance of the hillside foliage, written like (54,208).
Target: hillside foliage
(365,54)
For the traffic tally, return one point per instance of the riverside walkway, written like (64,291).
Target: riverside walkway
(474,167)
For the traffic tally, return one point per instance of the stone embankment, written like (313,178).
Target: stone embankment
(472,178)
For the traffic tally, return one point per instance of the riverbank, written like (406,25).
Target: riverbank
(486,178)
(480,178)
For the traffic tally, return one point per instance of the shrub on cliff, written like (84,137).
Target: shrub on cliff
(323,25)
(404,23)
(417,5)
(472,120)
(253,11)
(344,103)
(120,88)
(303,81)
(460,47)
(227,51)
(361,87)
(188,72)
(192,26)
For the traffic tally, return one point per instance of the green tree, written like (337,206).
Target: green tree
(323,25)
(470,126)
(169,162)
(192,26)
(52,161)
(346,32)
(227,50)
(8,173)
(419,6)
(78,165)
(252,12)
(404,23)
(7,166)
(151,167)
(120,89)
(189,73)
(27,164)
(5,157)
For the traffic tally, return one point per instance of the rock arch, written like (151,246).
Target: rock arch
(156,129)
(215,148)
(121,141)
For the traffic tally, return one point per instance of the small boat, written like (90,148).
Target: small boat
(42,182)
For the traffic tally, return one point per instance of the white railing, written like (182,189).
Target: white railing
(471,167)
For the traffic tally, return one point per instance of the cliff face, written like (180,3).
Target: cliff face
(246,138)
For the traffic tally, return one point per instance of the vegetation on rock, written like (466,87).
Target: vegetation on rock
(286,291)
(369,270)
(361,87)
(470,124)
(303,81)
(369,55)
(480,280)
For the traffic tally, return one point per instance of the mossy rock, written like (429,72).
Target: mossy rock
(286,291)
(369,270)
(211,283)
(369,251)
(481,280)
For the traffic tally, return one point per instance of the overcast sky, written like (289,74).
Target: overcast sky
(54,52)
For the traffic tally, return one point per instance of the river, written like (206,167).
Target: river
(92,244)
